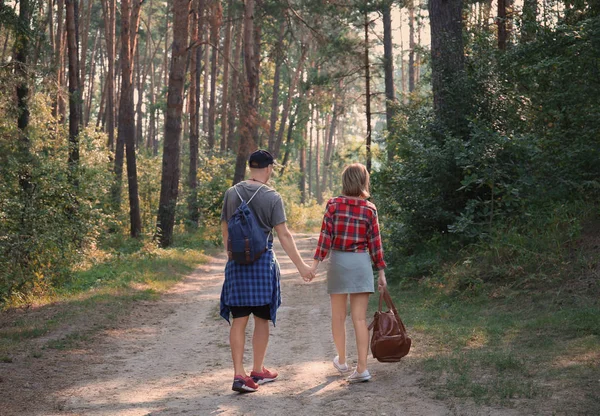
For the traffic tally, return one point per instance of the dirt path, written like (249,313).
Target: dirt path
(173,358)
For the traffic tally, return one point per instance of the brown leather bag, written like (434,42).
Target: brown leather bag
(389,342)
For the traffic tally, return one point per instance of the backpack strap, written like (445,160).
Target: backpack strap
(251,198)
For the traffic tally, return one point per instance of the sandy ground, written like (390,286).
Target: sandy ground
(172,357)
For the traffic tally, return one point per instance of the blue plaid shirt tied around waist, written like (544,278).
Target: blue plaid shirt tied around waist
(253,284)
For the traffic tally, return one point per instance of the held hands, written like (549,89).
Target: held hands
(306,272)
(309,273)
(381,281)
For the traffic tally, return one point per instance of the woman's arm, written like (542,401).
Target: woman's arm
(374,243)
(325,236)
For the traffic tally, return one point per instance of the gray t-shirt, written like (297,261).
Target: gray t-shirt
(267,205)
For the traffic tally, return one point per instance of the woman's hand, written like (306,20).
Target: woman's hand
(381,281)
(306,272)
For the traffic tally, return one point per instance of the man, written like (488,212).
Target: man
(254,288)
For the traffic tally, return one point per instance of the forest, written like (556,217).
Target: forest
(478,119)
(489,128)
(122,123)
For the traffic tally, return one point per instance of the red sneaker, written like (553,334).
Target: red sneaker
(244,384)
(265,376)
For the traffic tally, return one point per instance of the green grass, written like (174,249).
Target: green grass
(99,293)
(496,350)
(512,318)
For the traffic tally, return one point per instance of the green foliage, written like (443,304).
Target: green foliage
(46,230)
(532,147)
(213,180)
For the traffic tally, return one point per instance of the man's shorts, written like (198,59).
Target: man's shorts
(263,311)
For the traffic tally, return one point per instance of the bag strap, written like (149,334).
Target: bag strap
(385,295)
(251,198)
(248,203)
(390,304)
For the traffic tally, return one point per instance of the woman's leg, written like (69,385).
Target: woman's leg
(237,338)
(338,323)
(260,341)
(358,309)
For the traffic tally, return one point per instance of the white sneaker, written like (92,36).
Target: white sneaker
(359,377)
(342,368)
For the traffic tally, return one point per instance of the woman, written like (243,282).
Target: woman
(351,231)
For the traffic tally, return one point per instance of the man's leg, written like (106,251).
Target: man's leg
(358,309)
(260,341)
(338,324)
(237,338)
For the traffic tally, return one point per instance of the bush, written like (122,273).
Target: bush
(47,229)
(532,145)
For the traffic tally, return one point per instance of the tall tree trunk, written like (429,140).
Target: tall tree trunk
(235,81)
(257,42)
(293,121)
(140,77)
(418,55)
(59,107)
(226,62)
(288,102)
(74,90)
(100,121)
(504,22)
(200,67)
(205,94)
(109,7)
(164,78)
(309,174)
(172,142)
(216,17)
(126,125)
(318,192)
(367,92)
(151,142)
(329,149)
(278,51)
(85,33)
(90,93)
(388,66)
(193,213)
(403,66)
(248,117)
(447,64)
(288,141)
(411,46)
(21,48)
(303,166)
(51,38)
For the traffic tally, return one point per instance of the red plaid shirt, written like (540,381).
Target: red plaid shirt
(351,224)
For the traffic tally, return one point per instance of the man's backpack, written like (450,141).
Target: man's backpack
(246,240)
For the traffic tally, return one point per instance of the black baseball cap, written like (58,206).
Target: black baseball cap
(260,159)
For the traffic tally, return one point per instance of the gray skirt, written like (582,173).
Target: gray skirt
(349,272)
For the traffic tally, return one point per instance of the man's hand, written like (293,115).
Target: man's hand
(306,272)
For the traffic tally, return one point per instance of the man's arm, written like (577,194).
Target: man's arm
(225,234)
(289,245)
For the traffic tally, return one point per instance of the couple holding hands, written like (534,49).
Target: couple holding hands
(349,234)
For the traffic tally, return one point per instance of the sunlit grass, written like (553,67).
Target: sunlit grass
(496,350)
(99,292)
